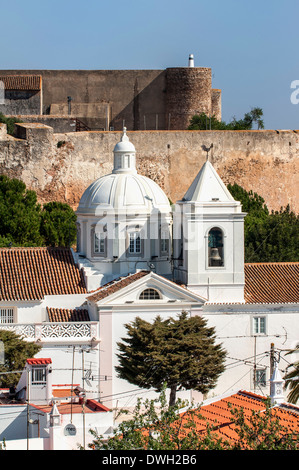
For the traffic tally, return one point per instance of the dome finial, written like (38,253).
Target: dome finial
(124,137)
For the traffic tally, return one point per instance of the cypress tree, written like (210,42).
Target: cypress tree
(179,352)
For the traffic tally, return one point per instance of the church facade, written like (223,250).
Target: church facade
(137,255)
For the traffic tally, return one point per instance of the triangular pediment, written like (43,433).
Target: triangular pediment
(207,187)
(130,289)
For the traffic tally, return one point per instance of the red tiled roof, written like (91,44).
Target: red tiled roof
(63,393)
(116,285)
(22,82)
(264,283)
(39,361)
(91,406)
(271,283)
(67,315)
(218,414)
(32,273)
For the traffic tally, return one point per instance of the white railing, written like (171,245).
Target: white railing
(55,332)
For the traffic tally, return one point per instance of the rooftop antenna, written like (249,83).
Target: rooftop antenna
(191,60)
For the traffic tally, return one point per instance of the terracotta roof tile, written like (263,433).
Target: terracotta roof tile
(32,273)
(271,283)
(22,82)
(218,414)
(63,393)
(91,406)
(116,285)
(67,315)
(39,361)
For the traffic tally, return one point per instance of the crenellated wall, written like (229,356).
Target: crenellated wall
(61,166)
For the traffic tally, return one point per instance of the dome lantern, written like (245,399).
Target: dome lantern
(124,155)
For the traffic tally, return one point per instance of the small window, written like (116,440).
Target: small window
(99,242)
(150,294)
(126,161)
(78,238)
(135,243)
(164,241)
(38,376)
(215,248)
(260,378)
(259,325)
(6,315)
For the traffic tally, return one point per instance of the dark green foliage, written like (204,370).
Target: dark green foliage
(24,223)
(262,431)
(19,214)
(10,123)
(203,122)
(16,352)
(179,352)
(58,224)
(155,426)
(269,237)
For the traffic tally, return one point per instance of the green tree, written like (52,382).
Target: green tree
(155,426)
(58,224)
(10,123)
(269,237)
(24,223)
(181,352)
(292,378)
(16,352)
(262,431)
(19,214)
(203,122)
(255,115)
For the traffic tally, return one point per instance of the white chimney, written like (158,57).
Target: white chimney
(191,60)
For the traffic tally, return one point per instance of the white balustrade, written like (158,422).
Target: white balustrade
(55,332)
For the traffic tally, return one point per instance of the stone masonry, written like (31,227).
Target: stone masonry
(61,166)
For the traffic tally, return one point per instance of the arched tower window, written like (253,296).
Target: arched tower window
(215,248)
(150,294)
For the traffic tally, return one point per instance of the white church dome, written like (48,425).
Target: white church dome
(124,190)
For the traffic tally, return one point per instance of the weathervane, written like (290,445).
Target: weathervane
(207,149)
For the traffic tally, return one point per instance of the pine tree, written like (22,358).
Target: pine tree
(16,352)
(58,224)
(19,214)
(179,352)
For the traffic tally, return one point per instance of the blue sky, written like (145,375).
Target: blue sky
(251,46)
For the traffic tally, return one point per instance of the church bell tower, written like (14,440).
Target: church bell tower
(209,239)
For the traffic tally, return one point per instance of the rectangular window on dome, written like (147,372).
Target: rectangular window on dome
(164,242)
(126,161)
(135,243)
(99,242)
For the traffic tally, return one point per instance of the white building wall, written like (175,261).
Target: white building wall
(247,350)
(35,311)
(13,428)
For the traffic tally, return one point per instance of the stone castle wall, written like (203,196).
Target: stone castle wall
(138,99)
(189,92)
(61,166)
